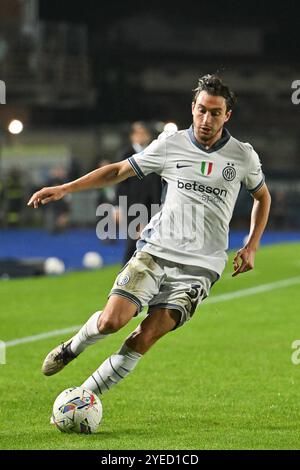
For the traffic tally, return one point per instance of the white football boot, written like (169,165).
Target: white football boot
(58,358)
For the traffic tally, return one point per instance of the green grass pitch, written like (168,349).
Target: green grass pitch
(223,381)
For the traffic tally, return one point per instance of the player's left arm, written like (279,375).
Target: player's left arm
(244,258)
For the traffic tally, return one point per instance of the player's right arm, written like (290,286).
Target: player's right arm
(105,176)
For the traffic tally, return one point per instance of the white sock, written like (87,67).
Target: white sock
(87,335)
(112,370)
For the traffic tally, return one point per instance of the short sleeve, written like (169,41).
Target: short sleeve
(254,179)
(150,160)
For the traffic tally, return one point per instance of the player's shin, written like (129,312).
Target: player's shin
(87,335)
(113,370)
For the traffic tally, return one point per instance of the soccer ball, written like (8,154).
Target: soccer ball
(77,410)
(92,260)
(54,265)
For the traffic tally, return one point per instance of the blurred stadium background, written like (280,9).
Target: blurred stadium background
(79,73)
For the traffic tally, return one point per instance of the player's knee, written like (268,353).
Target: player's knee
(117,312)
(109,324)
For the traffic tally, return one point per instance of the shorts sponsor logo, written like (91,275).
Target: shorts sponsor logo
(229,172)
(123,280)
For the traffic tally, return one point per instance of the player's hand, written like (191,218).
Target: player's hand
(243,261)
(46,195)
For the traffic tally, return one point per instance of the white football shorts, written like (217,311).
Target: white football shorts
(156,282)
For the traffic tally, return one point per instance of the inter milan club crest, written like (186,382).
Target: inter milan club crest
(123,280)
(206,168)
(229,172)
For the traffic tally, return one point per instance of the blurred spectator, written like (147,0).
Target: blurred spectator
(107,194)
(58,214)
(74,170)
(279,211)
(13,197)
(147,191)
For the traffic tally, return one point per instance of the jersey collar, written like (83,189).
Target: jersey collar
(217,145)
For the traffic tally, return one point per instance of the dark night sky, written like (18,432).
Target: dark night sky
(284,16)
(279,22)
(76,10)
(255,11)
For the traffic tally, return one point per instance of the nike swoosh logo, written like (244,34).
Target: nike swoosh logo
(181,166)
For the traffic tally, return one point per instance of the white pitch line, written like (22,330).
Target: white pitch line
(253,290)
(49,334)
(218,298)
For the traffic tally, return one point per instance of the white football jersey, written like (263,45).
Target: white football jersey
(199,190)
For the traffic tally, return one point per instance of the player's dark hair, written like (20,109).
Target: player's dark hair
(215,86)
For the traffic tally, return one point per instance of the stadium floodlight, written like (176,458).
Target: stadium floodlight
(15,126)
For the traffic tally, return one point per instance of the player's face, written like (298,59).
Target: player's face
(209,116)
